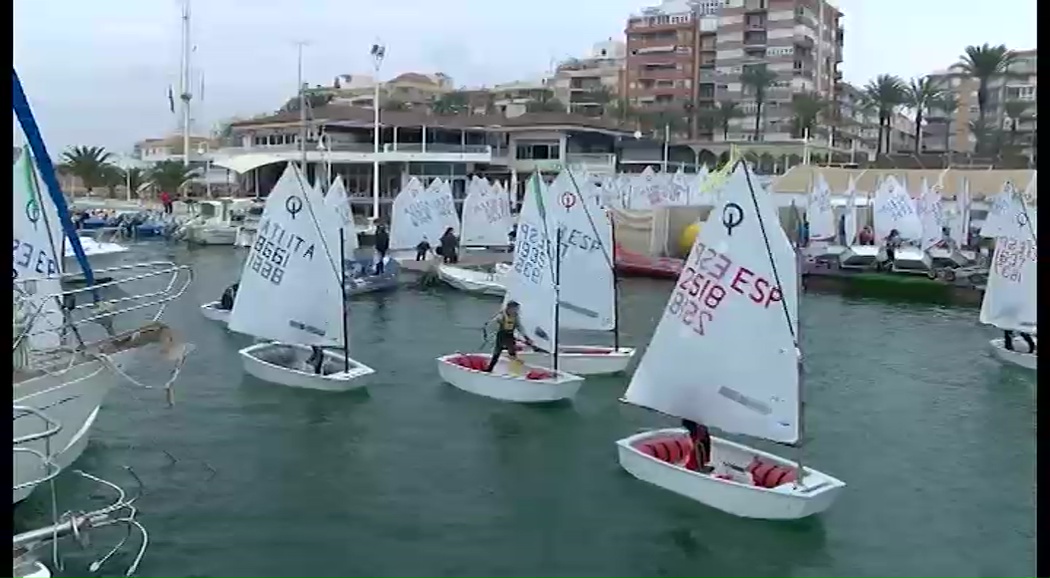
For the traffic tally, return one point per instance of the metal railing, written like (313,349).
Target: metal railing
(50,428)
(121,512)
(103,303)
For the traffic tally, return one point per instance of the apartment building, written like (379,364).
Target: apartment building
(511,98)
(584,84)
(688,50)
(857,126)
(952,128)
(411,88)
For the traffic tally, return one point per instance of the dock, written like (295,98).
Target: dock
(473,259)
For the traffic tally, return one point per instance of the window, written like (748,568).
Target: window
(537,151)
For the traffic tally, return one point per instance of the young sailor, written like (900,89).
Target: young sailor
(507,322)
(698,460)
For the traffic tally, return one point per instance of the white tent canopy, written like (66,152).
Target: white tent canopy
(243,163)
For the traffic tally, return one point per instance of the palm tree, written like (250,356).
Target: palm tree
(544,102)
(985,63)
(920,95)
(670,118)
(759,79)
(884,95)
(133,177)
(89,164)
(948,103)
(806,107)
(450,104)
(170,176)
(724,113)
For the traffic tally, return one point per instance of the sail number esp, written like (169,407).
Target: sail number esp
(701,288)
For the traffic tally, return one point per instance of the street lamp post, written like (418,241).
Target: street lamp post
(378,52)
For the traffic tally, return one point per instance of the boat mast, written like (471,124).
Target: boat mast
(184,82)
(342,296)
(557,297)
(616,282)
(302,108)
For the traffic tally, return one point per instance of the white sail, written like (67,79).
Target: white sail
(893,209)
(959,217)
(850,224)
(1004,213)
(339,202)
(931,215)
(1010,298)
(586,298)
(412,218)
(724,353)
(699,196)
(530,281)
(677,191)
(647,190)
(819,213)
(289,289)
(486,215)
(36,261)
(444,204)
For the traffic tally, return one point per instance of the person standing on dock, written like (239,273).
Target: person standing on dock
(165,201)
(421,249)
(450,246)
(382,244)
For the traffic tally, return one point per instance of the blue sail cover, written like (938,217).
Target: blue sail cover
(47,172)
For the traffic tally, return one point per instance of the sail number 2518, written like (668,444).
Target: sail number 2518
(700,288)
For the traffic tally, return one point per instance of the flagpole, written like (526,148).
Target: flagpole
(184,83)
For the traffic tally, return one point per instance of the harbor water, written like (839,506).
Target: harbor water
(934,438)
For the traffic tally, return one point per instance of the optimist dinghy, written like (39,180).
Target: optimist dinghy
(291,291)
(213,312)
(588,299)
(1010,299)
(533,278)
(739,287)
(475,280)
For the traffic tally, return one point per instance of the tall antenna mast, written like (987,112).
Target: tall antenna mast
(302,105)
(184,82)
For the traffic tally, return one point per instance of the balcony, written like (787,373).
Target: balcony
(655,49)
(363,152)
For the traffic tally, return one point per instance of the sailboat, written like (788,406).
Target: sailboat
(62,366)
(588,294)
(533,283)
(739,292)
(1010,298)
(291,292)
(487,221)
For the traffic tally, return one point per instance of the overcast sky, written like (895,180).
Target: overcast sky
(98,72)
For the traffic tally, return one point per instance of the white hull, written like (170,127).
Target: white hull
(583,359)
(737,496)
(72,399)
(212,311)
(101,255)
(504,384)
(32,570)
(1019,356)
(285,364)
(472,281)
(211,234)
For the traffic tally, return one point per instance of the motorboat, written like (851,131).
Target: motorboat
(361,276)
(745,482)
(286,364)
(102,254)
(474,280)
(524,384)
(218,222)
